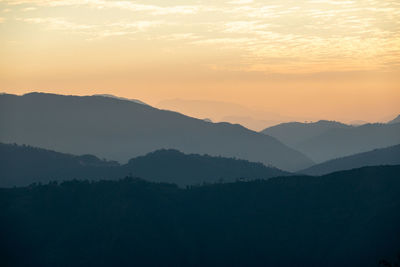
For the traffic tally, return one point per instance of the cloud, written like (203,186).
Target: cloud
(306,35)
(103,4)
(245,27)
(239,42)
(332,2)
(240,2)
(94,30)
(57,24)
(29,9)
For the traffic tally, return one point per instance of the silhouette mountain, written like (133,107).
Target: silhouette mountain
(293,133)
(383,156)
(119,129)
(395,120)
(173,166)
(121,98)
(23,165)
(358,122)
(220,111)
(348,218)
(326,140)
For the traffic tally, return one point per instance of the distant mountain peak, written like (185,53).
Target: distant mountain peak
(320,123)
(358,122)
(395,120)
(101,95)
(121,98)
(43,94)
(326,140)
(328,122)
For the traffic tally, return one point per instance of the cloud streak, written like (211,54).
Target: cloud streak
(266,35)
(102,4)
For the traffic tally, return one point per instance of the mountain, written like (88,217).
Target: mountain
(249,122)
(121,98)
(347,218)
(326,140)
(395,120)
(119,129)
(293,133)
(357,122)
(23,165)
(175,167)
(220,111)
(383,156)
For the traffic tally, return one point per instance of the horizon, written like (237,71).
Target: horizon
(295,60)
(196,115)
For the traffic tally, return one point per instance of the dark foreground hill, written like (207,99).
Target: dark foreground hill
(23,165)
(376,157)
(343,219)
(120,129)
(326,140)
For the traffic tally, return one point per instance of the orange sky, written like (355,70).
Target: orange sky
(300,59)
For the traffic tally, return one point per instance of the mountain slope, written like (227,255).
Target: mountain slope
(118,129)
(323,141)
(175,167)
(383,156)
(23,165)
(223,112)
(347,218)
(293,133)
(121,98)
(395,120)
(337,143)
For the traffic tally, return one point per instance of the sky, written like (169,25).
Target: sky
(301,59)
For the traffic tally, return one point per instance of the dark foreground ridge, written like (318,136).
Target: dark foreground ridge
(348,218)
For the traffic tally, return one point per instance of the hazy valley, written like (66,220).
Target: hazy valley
(103,180)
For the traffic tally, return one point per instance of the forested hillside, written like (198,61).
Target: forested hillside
(343,219)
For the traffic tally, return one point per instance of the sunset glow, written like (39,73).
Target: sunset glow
(304,60)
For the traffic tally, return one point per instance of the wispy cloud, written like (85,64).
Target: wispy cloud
(240,2)
(94,30)
(102,4)
(269,35)
(29,8)
(57,24)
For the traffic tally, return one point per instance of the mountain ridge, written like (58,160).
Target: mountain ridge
(118,129)
(23,165)
(121,98)
(323,140)
(347,218)
(383,156)
(395,120)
